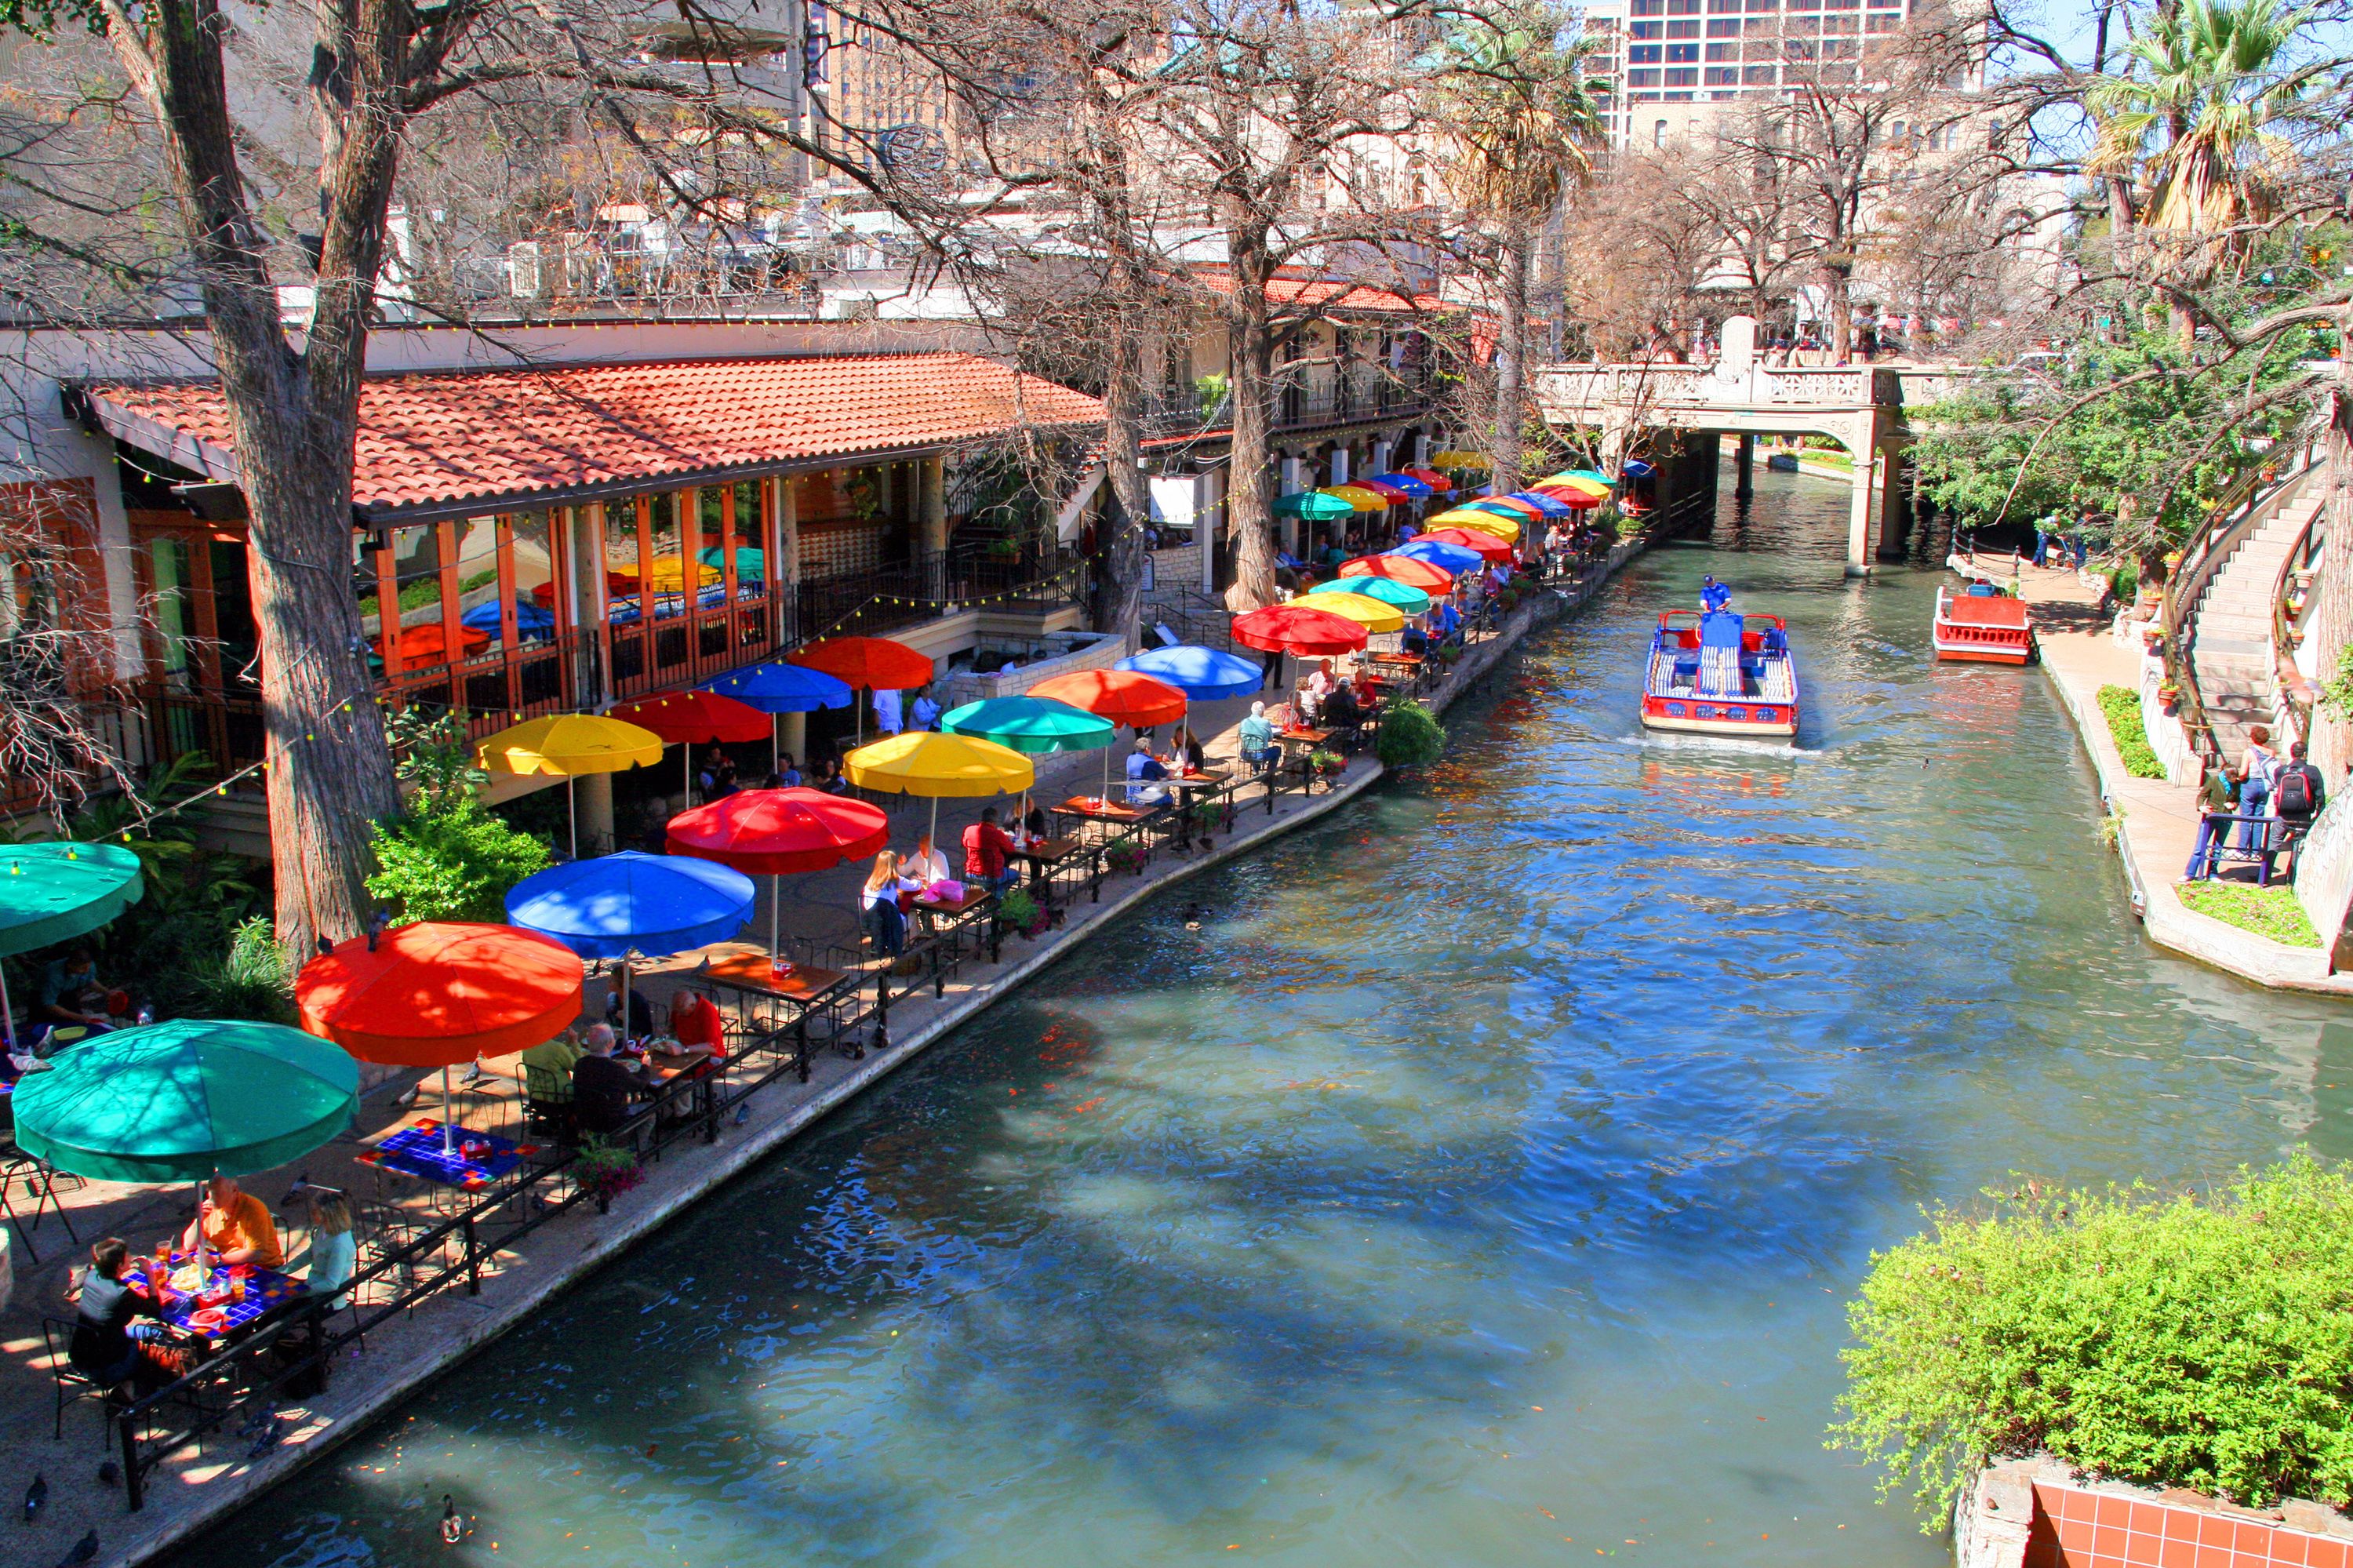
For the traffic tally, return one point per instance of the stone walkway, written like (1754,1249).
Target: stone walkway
(2157,825)
(202,1484)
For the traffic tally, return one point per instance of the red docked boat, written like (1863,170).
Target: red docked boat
(1717,672)
(1982,624)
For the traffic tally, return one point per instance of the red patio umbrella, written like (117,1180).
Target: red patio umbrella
(1489,548)
(1123,696)
(429,642)
(685,718)
(1401,568)
(1297,629)
(1568,495)
(440,992)
(1388,493)
(869,664)
(1438,482)
(771,831)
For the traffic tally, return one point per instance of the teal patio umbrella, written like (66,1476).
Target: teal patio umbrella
(1313,506)
(1032,725)
(185,1099)
(1405,597)
(50,892)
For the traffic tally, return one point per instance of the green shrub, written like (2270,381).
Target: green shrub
(252,980)
(1018,909)
(2121,704)
(2200,1342)
(1409,735)
(2268,912)
(454,861)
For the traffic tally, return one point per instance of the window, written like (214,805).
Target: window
(1646,30)
(1643,54)
(1756,76)
(1881,22)
(1641,78)
(1723,51)
(1682,53)
(1798,49)
(1659,133)
(1682,30)
(1687,77)
(1723,76)
(1728,28)
(1683,8)
(1844,27)
(1761,28)
(1648,7)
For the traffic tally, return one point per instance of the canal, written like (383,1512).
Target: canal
(1478,1177)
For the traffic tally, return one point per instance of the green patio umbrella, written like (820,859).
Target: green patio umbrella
(1313,506)
(50,892)
(1405,597)
(185,1099)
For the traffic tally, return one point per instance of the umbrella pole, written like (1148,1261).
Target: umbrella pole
(935,822)
(686,774)
(7,1015)
(625,998)
(776,897)
(776,746)
(449,1139)
(571,815)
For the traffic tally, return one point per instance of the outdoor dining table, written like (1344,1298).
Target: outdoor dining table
(937,912)
(660,1065)
(419,1152)
(756,979)
(1192,783)
(1044,855)
(1102,814)
(264,1288)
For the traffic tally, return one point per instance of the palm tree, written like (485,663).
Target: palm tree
(2193,115)
(1524,120)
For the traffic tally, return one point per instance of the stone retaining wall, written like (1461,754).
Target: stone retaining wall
(2037,1513)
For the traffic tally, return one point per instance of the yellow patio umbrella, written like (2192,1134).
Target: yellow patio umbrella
(1460,459)
(1363,609)
(1357,496)
(567,746)
(933,764)
(1501,527)
(1584,481)
(671,573)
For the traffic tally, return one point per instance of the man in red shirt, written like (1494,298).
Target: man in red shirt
(985,849)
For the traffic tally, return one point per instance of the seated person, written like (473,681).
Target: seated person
(695,1020)
(1341,710)
(1036,824)
(786,776)
(556,1055)
(924,864)
(1186,746)
(986,849)
(603,1090)
(642,1011)
(108,1341)
(1144,772)
(1257,738)
(334,1248)
(235,1224)
(71,997)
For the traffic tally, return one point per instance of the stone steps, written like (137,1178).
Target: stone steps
(2231,629)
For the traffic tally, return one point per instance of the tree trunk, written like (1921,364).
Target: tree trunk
(1123,463)
(2332,734)
(1511,361)
(1252,347)
(1838,304)
(292,418)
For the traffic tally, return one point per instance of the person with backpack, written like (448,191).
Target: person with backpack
(2297,794)
(2255,788)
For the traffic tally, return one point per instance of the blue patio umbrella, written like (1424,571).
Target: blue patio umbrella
(617,904)
(780,688)
(1446,558)
(531,620)
(1414,487)
(1204,674)
(1544,503)
(1635,468)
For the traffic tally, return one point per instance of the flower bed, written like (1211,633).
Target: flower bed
(2121,704)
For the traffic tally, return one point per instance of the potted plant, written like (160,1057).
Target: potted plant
(1126,858)
(1204,816)
(1326,763)
(2168,696)
(1021,912)
(605,1170)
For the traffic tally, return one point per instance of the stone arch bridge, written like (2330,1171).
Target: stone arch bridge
(1687,409)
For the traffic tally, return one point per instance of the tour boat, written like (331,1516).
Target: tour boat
(1720,672)
(1982,623)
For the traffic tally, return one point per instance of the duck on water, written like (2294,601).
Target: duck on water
(1715,671)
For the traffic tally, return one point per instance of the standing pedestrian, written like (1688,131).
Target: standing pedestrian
(2255,769)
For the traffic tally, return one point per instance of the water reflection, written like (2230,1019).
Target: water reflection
(1482,1180)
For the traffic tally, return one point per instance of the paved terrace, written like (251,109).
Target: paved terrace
(2158,821)
(537,1240)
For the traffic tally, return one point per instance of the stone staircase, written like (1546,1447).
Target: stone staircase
(2230,636)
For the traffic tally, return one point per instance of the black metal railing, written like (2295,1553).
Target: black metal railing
(927,585)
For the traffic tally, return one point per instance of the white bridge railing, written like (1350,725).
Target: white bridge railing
(1759,387)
